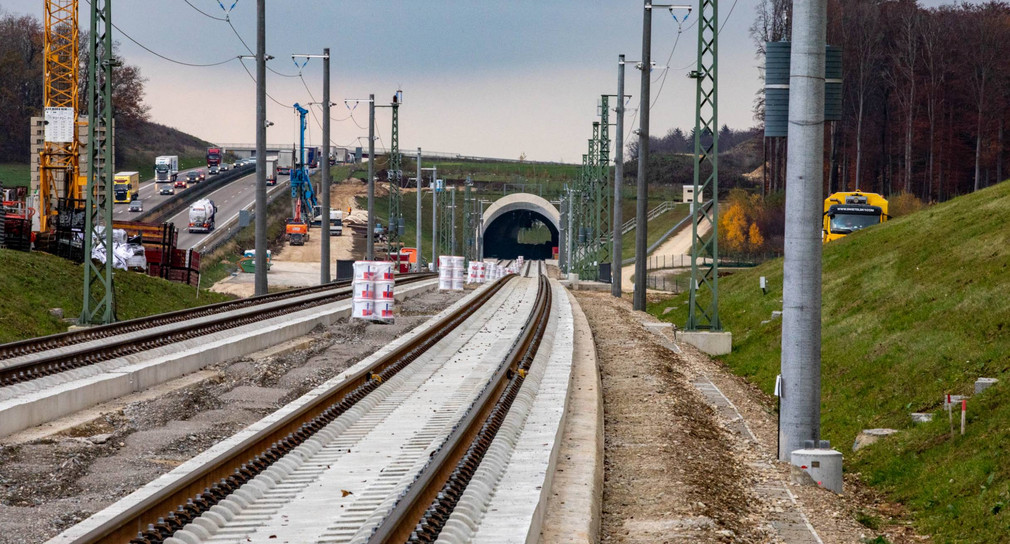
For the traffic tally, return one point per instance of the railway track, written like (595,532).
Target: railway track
(36,358)
(205,499)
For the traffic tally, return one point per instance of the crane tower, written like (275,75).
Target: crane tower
(59,166)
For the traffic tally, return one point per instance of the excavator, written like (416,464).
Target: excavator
(303,198)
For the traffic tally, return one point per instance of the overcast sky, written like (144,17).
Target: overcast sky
(492,79)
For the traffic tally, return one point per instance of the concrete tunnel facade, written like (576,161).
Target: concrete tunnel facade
(503,220)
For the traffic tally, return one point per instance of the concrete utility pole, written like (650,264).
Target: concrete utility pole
(642,196)
(324,251)
(452,228)
(370,246)
(615,272)
(417,229)
(800,418)
(434,217)
(261,149)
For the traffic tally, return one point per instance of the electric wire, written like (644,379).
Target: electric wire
(253,78)
(204,13)
(169,59)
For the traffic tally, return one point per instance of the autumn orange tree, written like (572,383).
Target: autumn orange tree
(739,229)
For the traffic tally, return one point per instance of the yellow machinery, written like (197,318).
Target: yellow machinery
(845,213)
(59,159)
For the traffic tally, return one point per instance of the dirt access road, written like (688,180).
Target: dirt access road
(690,450)
(298,266)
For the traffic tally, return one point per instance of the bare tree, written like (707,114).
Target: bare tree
(935,60)
(901,73)
(861,32)
(984,47)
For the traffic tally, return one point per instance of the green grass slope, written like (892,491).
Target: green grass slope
(912,310)
(32,283)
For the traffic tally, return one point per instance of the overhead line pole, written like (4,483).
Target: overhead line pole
(324,219)
(99,302)
(800,418)
(615,272)
(370,246)
(417,229)
(324,252)
(261,150)
(642,194)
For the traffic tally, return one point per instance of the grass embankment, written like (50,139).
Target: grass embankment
(32,283)
(657,227)
(912,310)
(15,174)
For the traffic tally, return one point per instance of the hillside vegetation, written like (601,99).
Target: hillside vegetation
(32,283)
(912,310)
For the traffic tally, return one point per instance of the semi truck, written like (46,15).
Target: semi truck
(166,168)
(285,160)
(125,187)
(201,216)
(271,176)
(847,212)
(214,158)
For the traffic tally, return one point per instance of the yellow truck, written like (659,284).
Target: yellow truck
(125,187)
(845,213)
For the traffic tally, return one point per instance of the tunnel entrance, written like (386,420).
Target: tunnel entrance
(520,232)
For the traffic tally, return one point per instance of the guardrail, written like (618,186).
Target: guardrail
(663,207)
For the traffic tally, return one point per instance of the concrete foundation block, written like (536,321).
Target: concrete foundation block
(982,384)
(711,342)
(869,436)
(823,465)
(921,417)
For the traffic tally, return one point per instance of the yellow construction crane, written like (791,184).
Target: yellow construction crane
(59,165)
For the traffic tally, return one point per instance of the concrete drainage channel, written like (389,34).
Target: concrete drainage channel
(114,366)
(358,459)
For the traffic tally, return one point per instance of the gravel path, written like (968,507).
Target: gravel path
(679,468)
(48,484)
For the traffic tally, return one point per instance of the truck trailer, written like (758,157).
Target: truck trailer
(271,176)
(847,212)
(125,187)
(285,161)
(166,168)
(201,216)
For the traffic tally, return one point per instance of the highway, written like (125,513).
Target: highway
(149,196)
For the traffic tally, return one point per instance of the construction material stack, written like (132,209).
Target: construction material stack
(476,273)
(373,287)
(450,272)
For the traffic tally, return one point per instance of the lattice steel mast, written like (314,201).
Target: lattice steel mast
(99,304)
(703,313)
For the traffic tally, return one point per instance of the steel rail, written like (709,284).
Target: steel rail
(154,519)
(34,345)
(149,337)
(421,510)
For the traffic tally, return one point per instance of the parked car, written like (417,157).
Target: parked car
(136,206)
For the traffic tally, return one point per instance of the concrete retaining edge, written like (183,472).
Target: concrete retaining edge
(575,504)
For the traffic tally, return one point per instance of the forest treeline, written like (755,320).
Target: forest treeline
(926,95)
(22,91)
